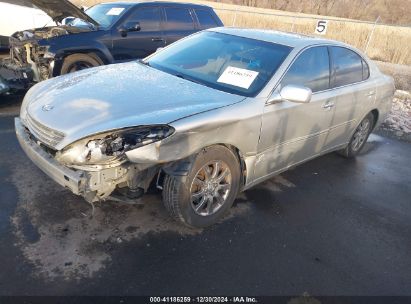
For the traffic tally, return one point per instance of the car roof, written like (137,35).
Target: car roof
(284,38)
(175,4)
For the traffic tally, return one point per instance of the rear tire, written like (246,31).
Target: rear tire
(78,62)
(202,197)
(359,138)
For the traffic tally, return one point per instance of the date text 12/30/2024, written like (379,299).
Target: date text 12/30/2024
(203,300)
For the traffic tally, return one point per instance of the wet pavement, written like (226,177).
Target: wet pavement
(329,227)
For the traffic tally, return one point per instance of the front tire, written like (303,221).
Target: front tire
(78,62)
(202,197)
(359,138)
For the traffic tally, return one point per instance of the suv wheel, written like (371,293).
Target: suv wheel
(207,192)
(78,62)
(359,138)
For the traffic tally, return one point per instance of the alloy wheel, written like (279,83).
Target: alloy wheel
(210,188)
(360,135)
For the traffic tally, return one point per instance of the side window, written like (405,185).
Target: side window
(311,69)
(148,17)
(347,66)
(205,18)
(179,19)
(365,70)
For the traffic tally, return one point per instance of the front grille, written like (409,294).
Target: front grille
(44,134)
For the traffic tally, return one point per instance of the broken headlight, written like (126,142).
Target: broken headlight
(110,148)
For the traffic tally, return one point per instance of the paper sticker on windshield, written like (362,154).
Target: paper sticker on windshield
(238,77)
(115,11)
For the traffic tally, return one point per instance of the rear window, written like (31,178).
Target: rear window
(348,66)
(205,18)
(179,18)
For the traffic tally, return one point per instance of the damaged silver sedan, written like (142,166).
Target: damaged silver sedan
(203,119)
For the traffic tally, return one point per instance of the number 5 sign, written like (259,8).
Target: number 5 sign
(321,27)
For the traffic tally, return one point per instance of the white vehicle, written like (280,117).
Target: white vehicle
(15,18)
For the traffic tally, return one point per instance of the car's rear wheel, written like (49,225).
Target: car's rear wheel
(207,192)
(359,138)
(78,62)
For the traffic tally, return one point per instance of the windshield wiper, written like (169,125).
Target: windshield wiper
(187,78)
(144,62)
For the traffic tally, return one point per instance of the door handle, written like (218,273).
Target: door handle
(328,105)
(370,93)
(157,39)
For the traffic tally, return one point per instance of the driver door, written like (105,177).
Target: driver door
(130,45)
(294,132)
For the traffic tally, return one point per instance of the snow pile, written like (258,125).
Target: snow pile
(399,118)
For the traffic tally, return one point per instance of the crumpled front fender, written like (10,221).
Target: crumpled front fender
(181,167)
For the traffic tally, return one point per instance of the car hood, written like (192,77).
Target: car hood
(56,9)
(117,96)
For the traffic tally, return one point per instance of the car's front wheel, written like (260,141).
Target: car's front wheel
(78,62)
(207,192)
(359,138)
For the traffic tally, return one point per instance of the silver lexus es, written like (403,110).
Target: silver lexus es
(211,115)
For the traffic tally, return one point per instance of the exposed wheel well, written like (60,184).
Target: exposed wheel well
(241,161)
(376,115)
(181,167)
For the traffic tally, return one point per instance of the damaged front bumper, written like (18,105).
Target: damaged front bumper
(74,180)
(14,77)
(92,185)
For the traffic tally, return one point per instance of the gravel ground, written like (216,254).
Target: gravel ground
(398,123)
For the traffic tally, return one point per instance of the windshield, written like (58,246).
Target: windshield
(104,14)
(224,62)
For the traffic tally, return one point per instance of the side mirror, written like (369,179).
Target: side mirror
(293,93)
(68,20)
(129,27)
(134,27)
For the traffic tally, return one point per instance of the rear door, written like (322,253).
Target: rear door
(179,23)
(353,92)
(139,44)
